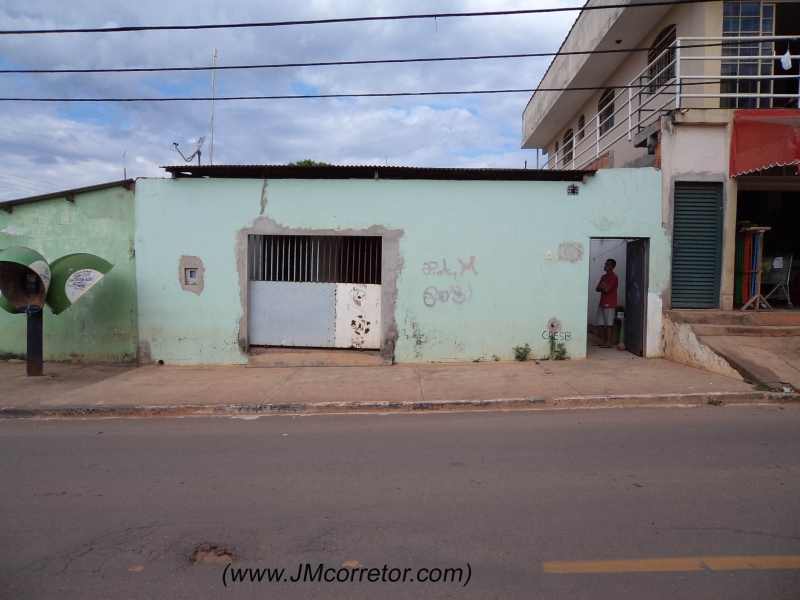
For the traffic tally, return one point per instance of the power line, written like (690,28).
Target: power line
(359,62)
(24,184)
(362,95)
(496,13)
(18,188)
(7,175)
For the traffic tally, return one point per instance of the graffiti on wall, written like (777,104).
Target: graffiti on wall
(433,268)
(456,294)
(453,294)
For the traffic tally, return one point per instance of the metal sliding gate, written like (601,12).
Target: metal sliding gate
(315,291)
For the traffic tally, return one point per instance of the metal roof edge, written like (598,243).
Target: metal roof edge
(372,172)
(126,183)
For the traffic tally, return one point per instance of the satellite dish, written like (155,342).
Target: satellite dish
(195,150)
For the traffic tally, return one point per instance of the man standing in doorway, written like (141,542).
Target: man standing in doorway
(608,302)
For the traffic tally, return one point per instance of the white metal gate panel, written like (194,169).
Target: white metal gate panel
(358,312)
(292,314)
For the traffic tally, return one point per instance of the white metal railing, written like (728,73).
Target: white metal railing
(689,79)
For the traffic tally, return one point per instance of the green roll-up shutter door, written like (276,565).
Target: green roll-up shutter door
(696,245)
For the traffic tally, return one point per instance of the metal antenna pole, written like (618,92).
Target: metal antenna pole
(211,145)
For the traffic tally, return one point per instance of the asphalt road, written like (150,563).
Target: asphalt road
(115,508)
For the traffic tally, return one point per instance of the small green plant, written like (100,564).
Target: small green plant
(496,359)
(522,352)
(558,351)
(763,387)
(713,401)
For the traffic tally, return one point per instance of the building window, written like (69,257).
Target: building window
(581,127)
(555,163)
(661,60)
(747,19)
(605,111)
(567,148)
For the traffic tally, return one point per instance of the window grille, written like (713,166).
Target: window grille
(605,111)
(316,258)
(568,144)
(661,60)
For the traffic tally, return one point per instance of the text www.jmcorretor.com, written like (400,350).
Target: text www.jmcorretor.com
(307,573)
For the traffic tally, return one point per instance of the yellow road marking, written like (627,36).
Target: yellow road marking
(654,565)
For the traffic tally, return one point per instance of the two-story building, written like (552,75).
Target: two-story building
(707,93)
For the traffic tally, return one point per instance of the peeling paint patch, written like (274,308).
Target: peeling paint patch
(571,252)
(191,274)
(415,334)
(264,196)
(11,230)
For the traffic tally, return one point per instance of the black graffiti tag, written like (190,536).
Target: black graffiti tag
(433,295)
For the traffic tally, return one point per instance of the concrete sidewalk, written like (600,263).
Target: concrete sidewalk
(608,378)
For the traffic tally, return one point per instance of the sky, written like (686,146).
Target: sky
(46,147)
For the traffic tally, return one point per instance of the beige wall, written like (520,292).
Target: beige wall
(694,20)
(695,147)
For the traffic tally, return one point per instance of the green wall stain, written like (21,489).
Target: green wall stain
(103,325)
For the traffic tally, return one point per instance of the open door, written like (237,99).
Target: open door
(635,295)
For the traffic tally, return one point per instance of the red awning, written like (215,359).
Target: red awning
(764,138)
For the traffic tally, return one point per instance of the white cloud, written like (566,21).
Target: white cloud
(74,144)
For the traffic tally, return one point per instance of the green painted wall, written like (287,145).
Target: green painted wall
(508,227)
(102,325)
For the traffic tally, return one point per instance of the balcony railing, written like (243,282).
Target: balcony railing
(739,72)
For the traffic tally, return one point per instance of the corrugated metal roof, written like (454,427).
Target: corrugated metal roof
(126,183)
(371,172)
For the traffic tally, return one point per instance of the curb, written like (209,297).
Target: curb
(306,408)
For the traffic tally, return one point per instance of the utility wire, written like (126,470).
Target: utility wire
(21,185)
(496,13)
(359,62)
(20,188)
(364,95)
(6,174)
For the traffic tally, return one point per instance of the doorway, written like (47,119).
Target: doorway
(778,210)
(631,256)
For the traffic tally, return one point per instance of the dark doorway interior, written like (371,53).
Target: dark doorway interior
(779,210)
(631,256)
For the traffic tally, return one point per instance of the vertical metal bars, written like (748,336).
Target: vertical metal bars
(315,258)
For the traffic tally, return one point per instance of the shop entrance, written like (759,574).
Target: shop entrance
(778,210)
(630,314)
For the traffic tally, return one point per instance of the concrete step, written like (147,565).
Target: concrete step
(315,357)
(779,317)
(735,317)
(748,330)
